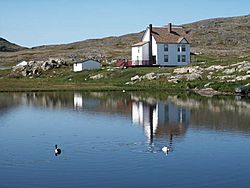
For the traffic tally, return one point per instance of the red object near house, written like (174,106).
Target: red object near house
(123,63)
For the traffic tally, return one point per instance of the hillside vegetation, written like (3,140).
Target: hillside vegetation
(217,37)
(6,46)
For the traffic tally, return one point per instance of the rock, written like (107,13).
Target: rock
(22,64)
(174,80)
(226,77)
(135,78)
(215,67)
(189,77)
(193,76)
(243,89)
(229,71)
(164,74)
(208,84)
(207,92)
(129,83)
(35,67)
(185,70)
(24,73)
(209,77)
(150,76)
(245,68)
(248,72)
(96,77)
(242,78)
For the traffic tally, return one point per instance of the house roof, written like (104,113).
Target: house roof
(79,62)
(162,35)
(140,44)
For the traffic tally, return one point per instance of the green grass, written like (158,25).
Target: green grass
(65,79)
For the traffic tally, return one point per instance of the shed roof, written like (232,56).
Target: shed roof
(78,62)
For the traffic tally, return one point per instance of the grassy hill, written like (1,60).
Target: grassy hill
(6,46)
(219,37)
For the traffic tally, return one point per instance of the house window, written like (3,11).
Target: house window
(179,58)
(165,58)
(166,47)
(179,48)
(138,49)
(183,58)
(183,48)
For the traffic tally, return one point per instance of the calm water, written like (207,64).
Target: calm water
(115,140)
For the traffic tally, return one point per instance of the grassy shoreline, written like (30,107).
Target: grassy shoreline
(113,79)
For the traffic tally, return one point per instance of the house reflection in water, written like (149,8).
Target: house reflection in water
(77,101)
(86,102)
(160,119)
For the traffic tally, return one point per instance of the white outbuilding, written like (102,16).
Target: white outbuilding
(86,65)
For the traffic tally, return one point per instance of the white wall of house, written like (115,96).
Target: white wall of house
(140,53)
(154,44)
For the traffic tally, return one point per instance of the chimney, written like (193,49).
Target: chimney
(170,27)
(150,45)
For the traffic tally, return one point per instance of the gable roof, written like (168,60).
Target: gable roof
(84,61)
(162,35)
(140,44)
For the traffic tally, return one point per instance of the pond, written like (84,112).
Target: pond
(116,140)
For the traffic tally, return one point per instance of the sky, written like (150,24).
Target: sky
(41,22)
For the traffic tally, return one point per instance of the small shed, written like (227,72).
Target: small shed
(87,65)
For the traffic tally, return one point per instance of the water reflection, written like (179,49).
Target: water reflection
(159,118)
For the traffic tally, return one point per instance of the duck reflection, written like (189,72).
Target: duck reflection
(161,119)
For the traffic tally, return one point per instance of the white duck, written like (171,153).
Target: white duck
(165,149)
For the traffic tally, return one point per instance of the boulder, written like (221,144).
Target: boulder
(174,80)
(185,70)
(243,89)
(242,78)
(150,76)
(135,78)
(244,68)
(229,71)
(96,77)
(226,77)
(24,73)
(188,77)
(215,67)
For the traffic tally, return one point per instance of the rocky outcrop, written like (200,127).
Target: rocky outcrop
(35,68)
(96,77)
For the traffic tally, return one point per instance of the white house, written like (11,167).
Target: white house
(163,46)
(86,65)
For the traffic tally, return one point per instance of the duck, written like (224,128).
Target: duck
(165,149)
(57,150)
